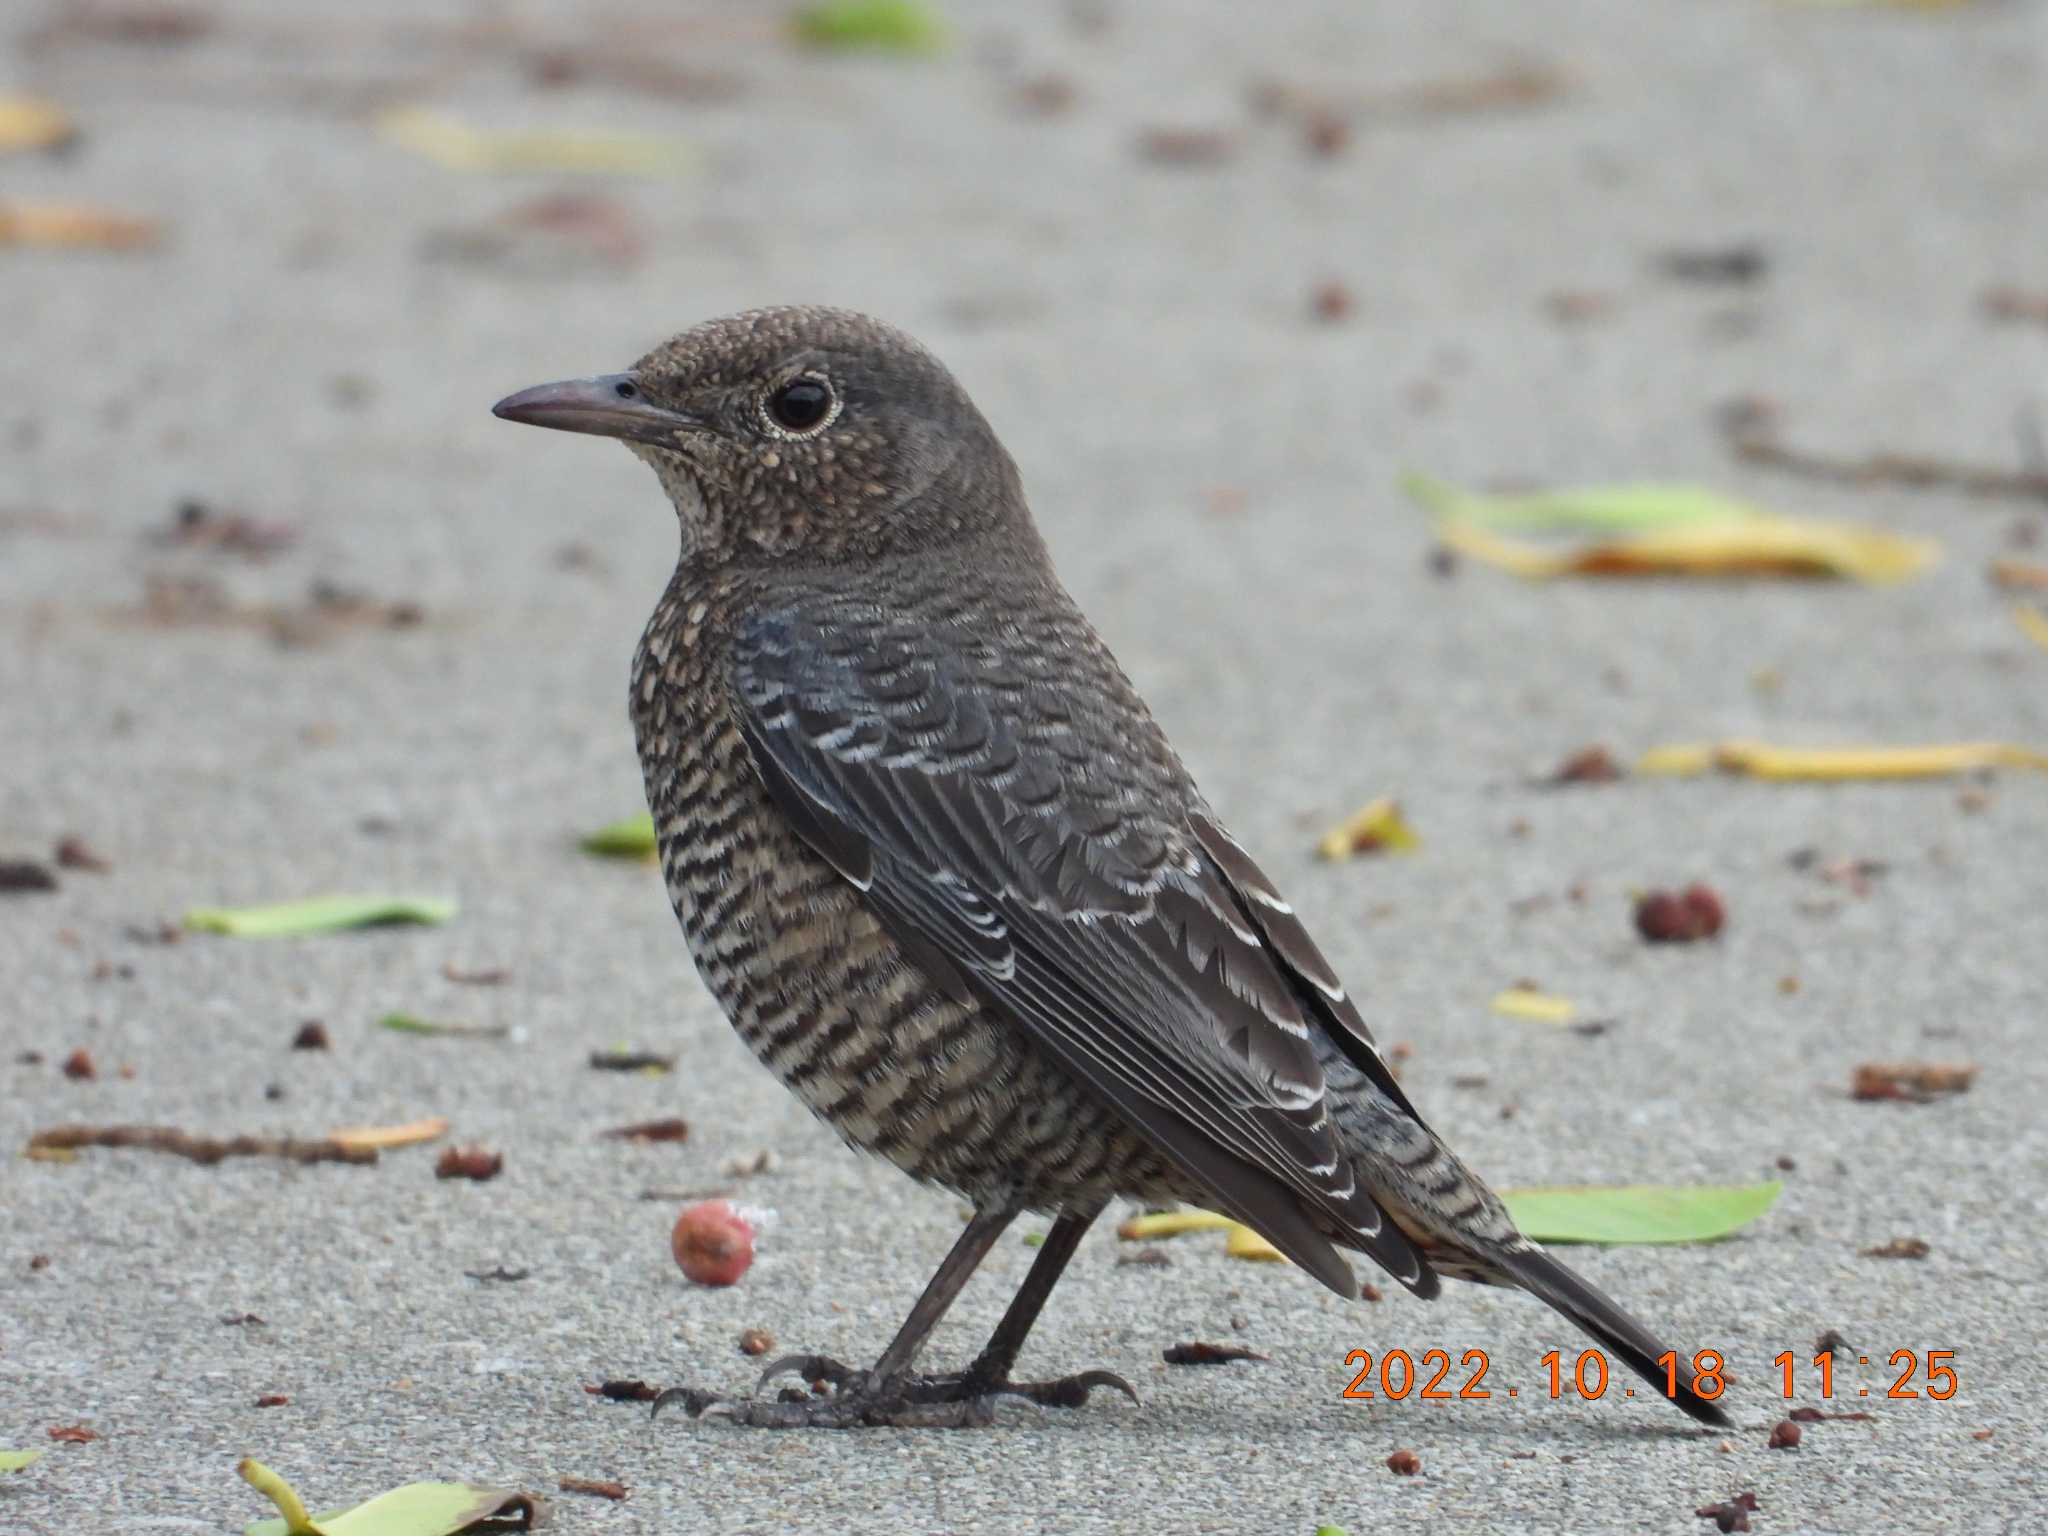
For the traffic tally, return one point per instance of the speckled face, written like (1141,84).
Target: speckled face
(799,425)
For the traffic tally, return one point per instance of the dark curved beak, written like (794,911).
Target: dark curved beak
(610,405)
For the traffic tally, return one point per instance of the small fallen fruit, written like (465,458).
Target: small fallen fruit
(468,1163)
(1785,1436)
(312,1036)
(713,1243)
(1404,1463)
(1680,917)
(78,1066)
(756,1341)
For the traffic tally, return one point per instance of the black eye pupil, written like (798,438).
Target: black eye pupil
(800,404)
(624,389)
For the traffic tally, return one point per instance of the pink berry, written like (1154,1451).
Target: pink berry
(713,1243)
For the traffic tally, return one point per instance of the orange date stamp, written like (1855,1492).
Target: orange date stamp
(1434,1376)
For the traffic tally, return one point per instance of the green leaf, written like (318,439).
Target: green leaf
(1599,508)
(893,26)
(1637,1213)
(1034,1239)
(14,1461)
(1331,1530)
(417,1509)
(318,914)
(632,838)
(413,1024)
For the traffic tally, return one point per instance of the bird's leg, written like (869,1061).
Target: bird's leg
(989,1376)
(880,1395)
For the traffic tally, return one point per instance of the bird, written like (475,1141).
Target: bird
(944,873)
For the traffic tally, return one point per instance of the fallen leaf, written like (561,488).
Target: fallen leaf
(318,914)
(1160,1224)
(69,226)
(1378,827)
(14,1461)
(458,145)
(1639,1213)
(1899,1248)
(2014,304)
(1243,1243)
(1914,1081)
(2033,624)
(62,1142)
(632,1061)
(1838,763)
(73,1434)
(889,26)
(1199,1353)
(1763,545)
(592,1486)
(417,1509)
(1588,765)
(2021,575)
(1586,509)
(412,1024)
(672,1129)
(29,122)
(273,1400)
(632,838)
(1539,1007)
(386,1137)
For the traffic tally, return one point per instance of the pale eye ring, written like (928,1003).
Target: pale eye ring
(801,407)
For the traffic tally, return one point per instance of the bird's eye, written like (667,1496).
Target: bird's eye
(803,405)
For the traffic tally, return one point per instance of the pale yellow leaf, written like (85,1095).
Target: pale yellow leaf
(1171,1224)
(1528,1003)
(67,225)
(29,122)
(383,1137)
(2033,624)
(1379,827)
(459,145)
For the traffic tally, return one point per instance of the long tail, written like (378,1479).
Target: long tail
(1629,1341)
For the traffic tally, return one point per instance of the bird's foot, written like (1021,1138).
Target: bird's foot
(841,1397)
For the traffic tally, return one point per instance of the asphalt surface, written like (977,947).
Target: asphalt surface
(317,343)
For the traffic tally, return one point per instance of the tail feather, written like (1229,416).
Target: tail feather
(1628,1340)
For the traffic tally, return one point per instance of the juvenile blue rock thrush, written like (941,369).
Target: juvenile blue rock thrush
(950,882)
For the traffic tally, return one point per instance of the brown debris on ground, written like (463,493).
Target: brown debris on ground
(205,1150)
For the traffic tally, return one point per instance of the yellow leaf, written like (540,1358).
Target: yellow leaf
(1762,545)
(28,122)
(1684,761)
(1760,761)
(1379,827)
(71,226)
(1244,1243)
(1528,1003)
(2033,624)
(1171,1224)
(461,146)
(382,1137)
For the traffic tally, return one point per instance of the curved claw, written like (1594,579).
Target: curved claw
(810,1367)
(1068,1391)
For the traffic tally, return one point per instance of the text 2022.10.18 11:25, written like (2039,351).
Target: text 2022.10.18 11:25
(1396,1374)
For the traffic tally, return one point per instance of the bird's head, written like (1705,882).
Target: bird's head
(797,429)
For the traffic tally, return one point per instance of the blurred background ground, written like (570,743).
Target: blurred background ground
(1217,277)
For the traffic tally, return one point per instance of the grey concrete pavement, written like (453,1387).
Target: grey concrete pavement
(1215,470)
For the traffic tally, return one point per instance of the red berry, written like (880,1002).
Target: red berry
(713,1243)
